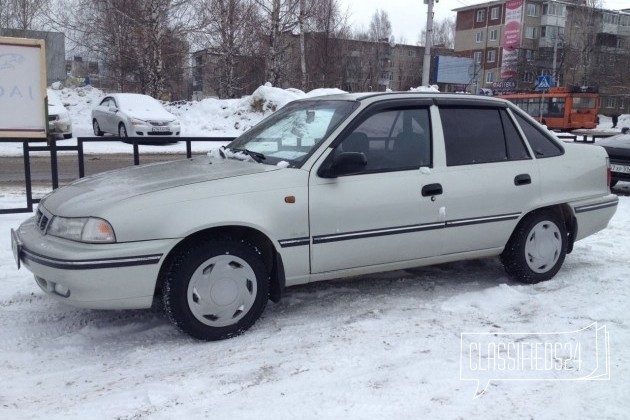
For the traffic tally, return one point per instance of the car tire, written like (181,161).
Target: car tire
(122,130)
(537,247)
(215,289)
(67,136)
(96,128)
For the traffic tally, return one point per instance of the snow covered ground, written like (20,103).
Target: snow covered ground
(380,346)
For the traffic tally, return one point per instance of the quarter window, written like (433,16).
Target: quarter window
(479,135)
(542,145)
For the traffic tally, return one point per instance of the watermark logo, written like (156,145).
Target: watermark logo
(581,355)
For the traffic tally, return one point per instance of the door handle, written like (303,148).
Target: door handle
(523,179)
(431,189)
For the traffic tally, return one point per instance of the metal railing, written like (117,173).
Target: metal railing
(34,145)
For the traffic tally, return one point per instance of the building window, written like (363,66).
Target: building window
(554,9)
(620,43)
(481,15)
(610,102)
(492,56)
(489,77)
(611,18)
(494,13)
(493,34)
(532,9)
(531,32)
(622,103)
(530,54)
(479,37)
(624,20)
(477,56)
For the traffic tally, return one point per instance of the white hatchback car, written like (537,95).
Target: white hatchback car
(324,188)
(134,115)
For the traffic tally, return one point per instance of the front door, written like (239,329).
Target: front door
(382,213)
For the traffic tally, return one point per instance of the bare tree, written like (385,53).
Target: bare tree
(229,34)
(380,27)
(325,55)
(130,37)
(21,14)
(443,33)
(280,18)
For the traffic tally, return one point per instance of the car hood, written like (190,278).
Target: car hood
(620,141)
(149,114)
(89,196)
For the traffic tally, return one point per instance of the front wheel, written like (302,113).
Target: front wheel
(96,128)
(216,289)
(122,131)
(537,248)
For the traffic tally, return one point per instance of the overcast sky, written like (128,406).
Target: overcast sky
(409,17)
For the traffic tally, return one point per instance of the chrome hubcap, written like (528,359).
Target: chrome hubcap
(543,247)
(222,290)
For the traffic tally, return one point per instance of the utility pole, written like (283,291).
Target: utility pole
(426,63)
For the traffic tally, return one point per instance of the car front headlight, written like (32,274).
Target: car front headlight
(174,123)
(82,229)
(137,121)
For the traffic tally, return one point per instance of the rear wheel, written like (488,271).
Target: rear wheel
(216,289)
(537,248)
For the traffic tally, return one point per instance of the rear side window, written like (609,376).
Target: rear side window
(479,135)
(542,145)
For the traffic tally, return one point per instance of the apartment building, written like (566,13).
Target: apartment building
(514,41)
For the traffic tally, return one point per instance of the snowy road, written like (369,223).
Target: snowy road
(381,346)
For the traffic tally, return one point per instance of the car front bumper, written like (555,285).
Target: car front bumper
(152,132)
(96,276)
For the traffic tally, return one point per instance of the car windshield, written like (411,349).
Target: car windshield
(292,133)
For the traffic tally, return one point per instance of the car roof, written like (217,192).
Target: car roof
(436,97)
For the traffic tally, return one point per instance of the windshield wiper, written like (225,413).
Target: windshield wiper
(257,156)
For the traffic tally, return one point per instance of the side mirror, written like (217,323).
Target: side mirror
(344,163)
(112,108)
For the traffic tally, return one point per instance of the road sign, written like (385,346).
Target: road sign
(543,83)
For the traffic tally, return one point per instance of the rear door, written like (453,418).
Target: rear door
(490,179)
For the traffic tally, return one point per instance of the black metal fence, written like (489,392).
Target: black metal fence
(51,146)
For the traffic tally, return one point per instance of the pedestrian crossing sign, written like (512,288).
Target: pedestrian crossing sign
(543,83)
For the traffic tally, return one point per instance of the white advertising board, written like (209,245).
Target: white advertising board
(22,88)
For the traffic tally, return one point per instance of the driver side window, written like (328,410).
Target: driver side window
(392,140)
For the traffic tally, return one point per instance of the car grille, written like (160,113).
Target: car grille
(41,220)
(160,133)
(159,123)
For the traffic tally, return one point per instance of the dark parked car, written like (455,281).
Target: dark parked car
(618,148)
